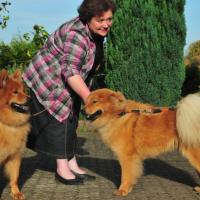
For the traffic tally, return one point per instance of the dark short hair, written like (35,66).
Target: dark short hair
(91,8)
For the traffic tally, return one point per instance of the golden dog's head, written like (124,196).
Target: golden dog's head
(13,104)
(101,103)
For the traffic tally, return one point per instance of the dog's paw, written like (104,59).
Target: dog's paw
(120,192)
(18,196)
(197,189)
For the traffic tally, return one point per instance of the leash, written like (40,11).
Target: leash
(38,113)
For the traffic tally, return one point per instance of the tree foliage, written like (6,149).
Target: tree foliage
(4,14)
(22,48)
(145,50)
(193,50)
(192,62)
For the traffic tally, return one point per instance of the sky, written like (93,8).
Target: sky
(24,14)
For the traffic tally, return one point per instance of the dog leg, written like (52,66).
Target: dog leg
(193,155)
(12,171)
(131,170)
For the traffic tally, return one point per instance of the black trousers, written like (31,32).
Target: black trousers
(48,135)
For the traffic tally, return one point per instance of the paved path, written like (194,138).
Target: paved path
(169,177)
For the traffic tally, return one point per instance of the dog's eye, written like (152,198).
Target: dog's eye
(15,92)
(94,101)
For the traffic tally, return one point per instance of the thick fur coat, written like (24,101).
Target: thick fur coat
(14,127)
(134,132)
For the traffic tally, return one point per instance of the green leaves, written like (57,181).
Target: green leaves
(22,48)
(40,35)
(4,14)
(145,50)
(194,50)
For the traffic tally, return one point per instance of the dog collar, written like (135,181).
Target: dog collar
(146,111)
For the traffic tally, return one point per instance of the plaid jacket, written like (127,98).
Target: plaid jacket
(68,51)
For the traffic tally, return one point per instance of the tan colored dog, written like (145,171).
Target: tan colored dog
(134,132)
(14,127)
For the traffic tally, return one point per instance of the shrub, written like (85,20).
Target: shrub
(145,50)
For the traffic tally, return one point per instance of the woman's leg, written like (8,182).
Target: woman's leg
(72,162)
(73,165)
(50,136)
(63,169)
(64,166)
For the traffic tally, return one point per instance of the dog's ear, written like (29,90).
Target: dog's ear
(119,96)
(3,78)
(17,74)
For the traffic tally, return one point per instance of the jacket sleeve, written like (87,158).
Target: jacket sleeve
(75,51)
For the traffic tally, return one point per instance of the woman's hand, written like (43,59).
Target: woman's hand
(78,85)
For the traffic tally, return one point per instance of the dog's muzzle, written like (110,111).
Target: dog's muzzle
(93,116)
(21,108)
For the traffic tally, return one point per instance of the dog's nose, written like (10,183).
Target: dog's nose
(83,112)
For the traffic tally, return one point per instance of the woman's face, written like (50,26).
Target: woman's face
(101,24)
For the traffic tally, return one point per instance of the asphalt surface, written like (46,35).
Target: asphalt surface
(168,177)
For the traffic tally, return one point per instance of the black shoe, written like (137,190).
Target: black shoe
(84,177)
(76,181)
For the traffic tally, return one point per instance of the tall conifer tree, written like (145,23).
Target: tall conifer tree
(145,50)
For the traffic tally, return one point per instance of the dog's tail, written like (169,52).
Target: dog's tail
(188,119)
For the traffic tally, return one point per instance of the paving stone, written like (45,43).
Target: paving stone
(168,177)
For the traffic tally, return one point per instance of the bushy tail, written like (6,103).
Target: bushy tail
(188,119)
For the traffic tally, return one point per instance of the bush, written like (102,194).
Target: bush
(193,50)
(145,50)
(21,49)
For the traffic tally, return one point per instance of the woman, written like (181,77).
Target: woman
(58,78)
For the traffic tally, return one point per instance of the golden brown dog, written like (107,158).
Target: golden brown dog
(14,127)
(136,131)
